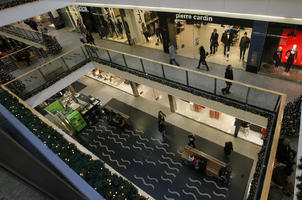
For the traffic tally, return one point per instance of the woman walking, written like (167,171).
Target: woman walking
(202,58)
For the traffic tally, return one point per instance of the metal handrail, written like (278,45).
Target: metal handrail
(157,62)
(15,52)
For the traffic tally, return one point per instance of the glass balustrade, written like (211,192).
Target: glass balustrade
(187,79)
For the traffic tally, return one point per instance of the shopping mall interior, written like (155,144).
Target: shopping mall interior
(89,100)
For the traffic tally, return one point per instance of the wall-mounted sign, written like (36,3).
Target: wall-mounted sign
(83,9)
(204,18)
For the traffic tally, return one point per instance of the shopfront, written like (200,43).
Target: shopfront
(281,54)
(221,121)
(112,80)
(224,39)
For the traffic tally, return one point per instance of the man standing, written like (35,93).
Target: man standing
(214,41)
(228,75)
(244,44)
(227,40)
(172,54)
(191,141)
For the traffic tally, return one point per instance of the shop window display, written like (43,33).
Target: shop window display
(221,121)
(112,80)
(282,52)
(149,28)
(225,44)
(112,26)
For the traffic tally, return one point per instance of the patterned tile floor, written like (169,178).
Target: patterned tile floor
(140,154)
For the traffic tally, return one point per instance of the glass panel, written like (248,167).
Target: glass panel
(201,82)
(27,84)
(117,58)
(237,92)
(174,74)
(74,58)
(134,63)
(153,68)
(102,54)
(262,99)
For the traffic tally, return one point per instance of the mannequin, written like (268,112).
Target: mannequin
(277,57)
(293,54)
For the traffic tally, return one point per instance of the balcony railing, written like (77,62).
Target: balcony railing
(244,96)
(11,3)
(50,42)
(47,74)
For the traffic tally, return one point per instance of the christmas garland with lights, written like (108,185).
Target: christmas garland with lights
(291,118)
(109,185)
(299,185)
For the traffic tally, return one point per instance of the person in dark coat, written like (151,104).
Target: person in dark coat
(228,148)
(120,28)
(227,40)
(214,41)
(191,141)
(202,58)
(228,75)
(90,38)
(244,44)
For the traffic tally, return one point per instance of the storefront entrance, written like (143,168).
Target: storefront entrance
(190,36)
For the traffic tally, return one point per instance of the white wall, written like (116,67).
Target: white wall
(281,10)
(21,12)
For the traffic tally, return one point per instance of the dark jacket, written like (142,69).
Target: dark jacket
(202,53)
(226,41)
(214,38)
(228,75)
(244,42)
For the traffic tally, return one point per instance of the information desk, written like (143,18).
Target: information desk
(213,164)
(124,116)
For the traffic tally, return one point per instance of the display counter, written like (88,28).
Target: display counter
(73,112)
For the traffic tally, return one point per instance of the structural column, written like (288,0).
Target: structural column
(134,89)
(172,103)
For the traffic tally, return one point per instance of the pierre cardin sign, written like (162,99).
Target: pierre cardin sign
(204,18)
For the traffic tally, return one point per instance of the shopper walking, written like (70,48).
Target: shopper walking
(172,54)
(161,123)
(191,141)
(145,32)
(228,75)
(90,38)
(83,38)
(244,44)
(214,41)
(202,58)
(227,40)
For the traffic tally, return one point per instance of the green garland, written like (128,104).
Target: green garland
(109,185)
(299,185)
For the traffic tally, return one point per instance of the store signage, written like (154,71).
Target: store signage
(204,18)
(82,9)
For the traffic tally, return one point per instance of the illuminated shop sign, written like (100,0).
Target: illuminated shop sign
(204,18)
(82,9)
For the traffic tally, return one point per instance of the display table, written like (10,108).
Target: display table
(213,164)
